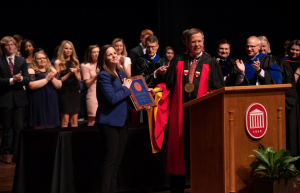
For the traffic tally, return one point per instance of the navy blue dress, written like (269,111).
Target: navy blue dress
(43,103)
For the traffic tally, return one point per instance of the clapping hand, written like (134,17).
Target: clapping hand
(73,70)
(127,82)
(256,65)
(240,65)
(17,77)
(50,76)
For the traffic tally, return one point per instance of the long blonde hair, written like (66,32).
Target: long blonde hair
(124,52)
(34,66)
(61,58)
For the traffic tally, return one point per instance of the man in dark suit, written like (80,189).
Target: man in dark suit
(13,99)
(139,50)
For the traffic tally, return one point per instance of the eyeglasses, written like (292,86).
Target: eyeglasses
(150,47)
(247,47)
(41,58)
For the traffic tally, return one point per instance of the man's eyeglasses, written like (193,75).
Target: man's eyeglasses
(247,47)
(150,47)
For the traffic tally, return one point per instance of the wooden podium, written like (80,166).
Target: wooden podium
(219,141)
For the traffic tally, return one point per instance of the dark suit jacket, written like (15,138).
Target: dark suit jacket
(134,54)
(13,95)
(111,96)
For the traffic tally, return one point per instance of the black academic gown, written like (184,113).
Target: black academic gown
(265,64)
(292,99)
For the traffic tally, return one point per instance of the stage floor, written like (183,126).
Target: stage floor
(7,172)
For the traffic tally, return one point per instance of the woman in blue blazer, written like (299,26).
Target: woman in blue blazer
(111,117)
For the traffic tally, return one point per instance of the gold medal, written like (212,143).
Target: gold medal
(189,87)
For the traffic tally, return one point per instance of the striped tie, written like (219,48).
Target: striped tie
(11,66)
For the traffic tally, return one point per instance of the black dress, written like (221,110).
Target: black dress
(69,94)
(43,103)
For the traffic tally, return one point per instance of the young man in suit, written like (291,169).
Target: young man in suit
(13,99)
(139,50)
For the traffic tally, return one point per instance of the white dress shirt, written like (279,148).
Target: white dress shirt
(144,49)
(13,61)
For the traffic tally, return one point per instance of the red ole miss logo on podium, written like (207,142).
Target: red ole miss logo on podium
(256,120)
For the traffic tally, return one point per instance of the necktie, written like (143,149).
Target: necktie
(192,70)
(11,66)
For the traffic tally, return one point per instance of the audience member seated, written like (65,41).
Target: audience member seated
(43,100)
(67,65)
(124,61)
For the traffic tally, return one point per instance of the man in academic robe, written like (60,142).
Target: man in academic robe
(256,68)
(188,77)
(151,65)
(226,63)
(13,99)
(139,50)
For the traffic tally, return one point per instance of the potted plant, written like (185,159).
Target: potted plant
(273,171)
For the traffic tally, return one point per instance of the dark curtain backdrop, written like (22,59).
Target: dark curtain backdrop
(88,22)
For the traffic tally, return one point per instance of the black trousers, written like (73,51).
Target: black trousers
(114,140)
(12,123)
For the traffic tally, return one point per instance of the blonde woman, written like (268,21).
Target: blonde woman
(67,65)
(124,61)
(89,73)
(42,95)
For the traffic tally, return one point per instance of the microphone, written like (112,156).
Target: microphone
(230,65)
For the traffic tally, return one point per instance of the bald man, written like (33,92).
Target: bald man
(259,68)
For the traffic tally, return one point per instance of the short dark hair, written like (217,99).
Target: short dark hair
(194,31)
(184,35)
(294,42)
(223,41)
(152,39)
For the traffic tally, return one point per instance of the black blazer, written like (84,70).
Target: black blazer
(135,53)
(13,95)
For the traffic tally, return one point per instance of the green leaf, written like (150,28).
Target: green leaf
(260,146)
(290,159)
(262,155)
(252,156)
(271,150)
(294,185)
(279,154)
